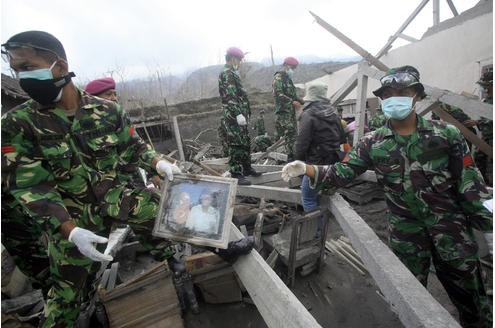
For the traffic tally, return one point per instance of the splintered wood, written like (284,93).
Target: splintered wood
(343,248)
(148,300)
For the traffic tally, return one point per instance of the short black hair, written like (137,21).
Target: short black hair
(40,41)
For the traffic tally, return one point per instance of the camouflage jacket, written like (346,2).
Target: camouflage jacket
(426,176)
(53,164)
(485,125)
(234,97)
(377,121)
(284,92)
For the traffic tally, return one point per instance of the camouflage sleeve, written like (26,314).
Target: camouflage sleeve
(355,163)
(230,95)
(132,148)
(26,176)
(471,188)
(279,92)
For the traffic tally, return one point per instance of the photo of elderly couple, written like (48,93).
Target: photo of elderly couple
(196,210)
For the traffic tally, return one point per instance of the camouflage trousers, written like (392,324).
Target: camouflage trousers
(451,247)
(239,159)
(73,274)
(237,145)
(286,127)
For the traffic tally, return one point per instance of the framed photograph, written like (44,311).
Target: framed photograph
(196,209)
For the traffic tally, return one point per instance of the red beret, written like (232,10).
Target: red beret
(235,52)
(96,87)
(291,61)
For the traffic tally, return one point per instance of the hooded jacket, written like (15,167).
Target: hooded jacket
(320,134)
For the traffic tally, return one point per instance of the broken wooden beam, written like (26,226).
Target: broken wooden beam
(271,193)
(412,302)
(278,306)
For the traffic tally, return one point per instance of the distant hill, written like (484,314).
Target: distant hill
(203,83)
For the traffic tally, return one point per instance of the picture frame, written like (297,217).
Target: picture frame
(196,209)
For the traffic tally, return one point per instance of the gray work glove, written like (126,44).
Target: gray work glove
(241,120)
(293,169)
(85,241)
(165,168)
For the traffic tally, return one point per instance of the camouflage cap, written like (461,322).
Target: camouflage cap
(401,78)
(486,78)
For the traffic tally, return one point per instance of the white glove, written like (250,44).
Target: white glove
(293,169)
(241,120)
(85,241)
(165,168)
(489,241)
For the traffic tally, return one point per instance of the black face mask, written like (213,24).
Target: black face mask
(45,91)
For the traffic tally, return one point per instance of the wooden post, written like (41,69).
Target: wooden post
(178,139)
(362,86)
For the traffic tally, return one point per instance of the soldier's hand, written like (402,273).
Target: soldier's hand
(297,105)
(85,241)
(241,120)
(293,169)
(165,168)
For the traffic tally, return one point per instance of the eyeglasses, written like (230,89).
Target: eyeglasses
(400,78)
(7,54)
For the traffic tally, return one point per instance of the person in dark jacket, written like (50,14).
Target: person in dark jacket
(319,138)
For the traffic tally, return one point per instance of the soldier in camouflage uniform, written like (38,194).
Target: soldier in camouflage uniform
(233,130)
(60,153)
(378,120)
(286,104)
(433,190)
(262,140)
(485,125)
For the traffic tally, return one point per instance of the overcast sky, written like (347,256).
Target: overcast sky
(173,36)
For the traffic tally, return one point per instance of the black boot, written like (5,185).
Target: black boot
(235,249)
(241,180)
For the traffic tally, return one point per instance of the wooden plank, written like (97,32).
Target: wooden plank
(278,306)
(266,178)
(222,167)
(468,134)
(271,193)
(353,45)
(348,86)
(277,156)
(362,86)
(401,29)
(178,138)
(413,303)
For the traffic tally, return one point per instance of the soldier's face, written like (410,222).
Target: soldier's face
(109,94)
(27,59)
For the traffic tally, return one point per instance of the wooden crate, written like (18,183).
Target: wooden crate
(148,300)
(221,289)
